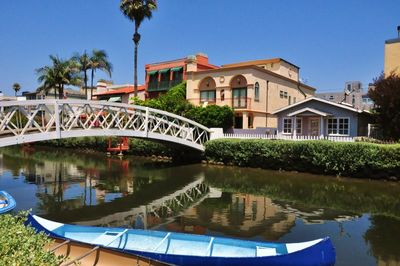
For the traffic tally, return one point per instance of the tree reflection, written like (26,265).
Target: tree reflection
(383,236)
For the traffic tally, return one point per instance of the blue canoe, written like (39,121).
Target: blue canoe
(7,203)
(187,249)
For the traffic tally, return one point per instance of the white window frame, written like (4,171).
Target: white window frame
(337,126)
(283,125)
(301,125)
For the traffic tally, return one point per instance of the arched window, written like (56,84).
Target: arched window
(222,93)
(239,91)
(257,91)
(207,89)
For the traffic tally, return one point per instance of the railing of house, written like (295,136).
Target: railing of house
(282,137)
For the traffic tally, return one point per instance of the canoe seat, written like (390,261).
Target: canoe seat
(3,201)
(108,237)
(265,251)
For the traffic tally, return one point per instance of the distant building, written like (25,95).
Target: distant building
(7,98)
(49,94)
(392,55)
(352,94)
(161,76)
(118,93)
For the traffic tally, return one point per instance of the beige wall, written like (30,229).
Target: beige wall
(127,98)
(392,58)
(259,110)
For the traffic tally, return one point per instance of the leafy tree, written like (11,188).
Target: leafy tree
(16,88)
(99,61)
(137,11)
(60,73)
(174,101)
(212,116)
(386,97)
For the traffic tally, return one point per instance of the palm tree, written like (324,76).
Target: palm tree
(48,77)
(60,73)
(137,11)
(16,88)
(99,61)
(84,65)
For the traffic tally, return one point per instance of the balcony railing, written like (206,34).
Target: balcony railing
(241,102)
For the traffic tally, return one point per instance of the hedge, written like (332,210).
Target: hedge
(139,147)
(363,160)
(20,245)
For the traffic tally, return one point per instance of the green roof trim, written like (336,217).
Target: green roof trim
(152,72)
(165,70)
(176,69)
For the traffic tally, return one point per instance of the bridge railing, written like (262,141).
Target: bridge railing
(21,121)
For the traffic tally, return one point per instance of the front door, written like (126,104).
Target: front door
(239,121)
(314,127)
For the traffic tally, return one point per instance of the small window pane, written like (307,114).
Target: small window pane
(287,125)
(257,91)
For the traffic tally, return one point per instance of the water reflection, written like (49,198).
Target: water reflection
(92,189)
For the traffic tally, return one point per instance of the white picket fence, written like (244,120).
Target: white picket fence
(281,137)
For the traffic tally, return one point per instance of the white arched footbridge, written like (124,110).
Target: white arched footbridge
(38,120)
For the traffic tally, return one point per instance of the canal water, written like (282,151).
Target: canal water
(362,217)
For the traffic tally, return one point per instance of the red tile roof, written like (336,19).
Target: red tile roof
(121,90)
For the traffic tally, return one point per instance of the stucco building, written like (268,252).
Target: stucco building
(254,89)
(120,93)
(161,76)
(392,55)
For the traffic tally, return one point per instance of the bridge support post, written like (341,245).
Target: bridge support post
(146,123)
(57,119)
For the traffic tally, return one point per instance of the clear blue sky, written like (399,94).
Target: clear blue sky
(332,41)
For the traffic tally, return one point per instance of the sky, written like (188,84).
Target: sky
(333,41)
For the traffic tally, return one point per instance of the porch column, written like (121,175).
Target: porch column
(294,123)
(245,120)
(321,129)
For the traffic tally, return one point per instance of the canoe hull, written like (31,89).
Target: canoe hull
(101,257)
(11,203)
(313,256)
(320,254)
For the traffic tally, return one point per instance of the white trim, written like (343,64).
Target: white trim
(307,109)
(337,128)
(320,100)
(283,125)
(301,128)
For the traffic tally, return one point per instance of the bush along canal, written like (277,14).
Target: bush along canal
(361,216)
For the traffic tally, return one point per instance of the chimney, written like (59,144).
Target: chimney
(398,31)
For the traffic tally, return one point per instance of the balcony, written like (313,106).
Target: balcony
(241,102)
(162,85)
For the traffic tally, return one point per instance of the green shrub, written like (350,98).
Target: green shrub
(212,116)
(362,160)
(20,245)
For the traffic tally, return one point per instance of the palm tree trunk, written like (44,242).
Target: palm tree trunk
(136,39)
(61,92)
(85,79)
(91,85)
